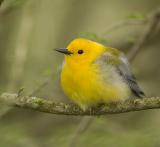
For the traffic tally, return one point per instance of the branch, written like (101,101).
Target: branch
(154,20)
(7,6)
(123,23)
(42,105)
(83,125)
(1,2)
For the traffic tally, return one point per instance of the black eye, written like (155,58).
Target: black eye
(80,51)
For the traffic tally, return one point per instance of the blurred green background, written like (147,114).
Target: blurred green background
(30,29)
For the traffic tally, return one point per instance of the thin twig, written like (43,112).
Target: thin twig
(124,23)
(45,83)
(155,18)
(40,87)
(82,126)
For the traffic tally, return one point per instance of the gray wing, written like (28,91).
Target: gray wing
(125,72)
(121,64)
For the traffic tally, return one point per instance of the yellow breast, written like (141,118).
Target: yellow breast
(86,86)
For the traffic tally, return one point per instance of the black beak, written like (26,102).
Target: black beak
(63,50)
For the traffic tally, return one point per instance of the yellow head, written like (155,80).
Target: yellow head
(82,51)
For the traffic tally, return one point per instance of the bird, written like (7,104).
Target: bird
(94,74)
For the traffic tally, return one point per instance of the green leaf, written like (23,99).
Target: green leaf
(10,4)
(137,15)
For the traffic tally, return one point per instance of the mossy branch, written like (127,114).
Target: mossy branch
(43,105)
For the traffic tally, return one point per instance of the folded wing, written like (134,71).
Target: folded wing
(121,64)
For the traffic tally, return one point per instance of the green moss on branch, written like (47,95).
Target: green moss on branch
(43,105)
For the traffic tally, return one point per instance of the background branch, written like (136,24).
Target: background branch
(83,125)
(1,1)
(155,18)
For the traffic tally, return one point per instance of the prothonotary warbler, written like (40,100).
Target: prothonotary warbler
(93,73)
